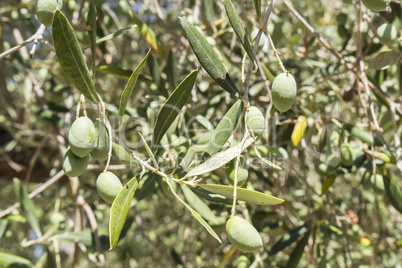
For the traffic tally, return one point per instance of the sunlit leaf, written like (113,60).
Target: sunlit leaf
(70,56)
(115,34)
(224,129)
(195,214)
(219,159)
(9,260)
(246,195)
(208,58)
(299,130)
(119,210)
(195,202)
(238,28)
(125,96)
(327,183)
(27,206)
(172,107)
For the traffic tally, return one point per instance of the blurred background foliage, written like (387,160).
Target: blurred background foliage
(329,219)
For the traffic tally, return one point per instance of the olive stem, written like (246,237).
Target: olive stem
(257,41)
(276,52)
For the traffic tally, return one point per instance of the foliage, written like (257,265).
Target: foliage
(172,82)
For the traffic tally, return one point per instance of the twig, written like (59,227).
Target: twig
(35,192)
(257,41)
(37,36)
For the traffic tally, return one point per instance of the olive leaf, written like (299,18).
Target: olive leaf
(195,214)
(266,161)
(257,7)
(208,8)
(384,60)
(119,210)
(210,196)
(246,195)
(299,130)
(91,30)
(149,151)
(27,206)
(238,28)
(171,108)
(224,129)
(115,34)
(171,71)
(125,96)
(199,205)
(294,258)
(70,56)
(208,58)
(327,183)
(393,193)
(11,260)
(290,237)
(361,134)
(146,32)
(220,159)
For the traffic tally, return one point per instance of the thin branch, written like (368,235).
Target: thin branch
(257,41)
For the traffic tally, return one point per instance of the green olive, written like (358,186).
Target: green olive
(242,173)
(347,157)
(324,169)
(366,180)
(45,10)
(376,5)
(387,33)
(284,91)
(377,183)
(82,136)
(255,121)
(73,165)
(101,147)
(243,235)
(108,186)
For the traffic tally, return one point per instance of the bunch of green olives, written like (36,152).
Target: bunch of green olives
(87,140)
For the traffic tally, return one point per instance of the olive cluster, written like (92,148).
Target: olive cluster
(90,140)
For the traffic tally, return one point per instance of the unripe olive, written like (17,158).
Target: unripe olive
(73,165)
(284,91)
(82,136)
(255,121)
(347,157)
(242,173)
(324,169)
(108,186)
(45,10)
(376,5)
(377,183)
(243,235)
(101,146)
(387,33)
(366,180)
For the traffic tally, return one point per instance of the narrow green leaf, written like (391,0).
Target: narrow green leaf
(125,96)
(208,8)
(208,58)
(199,205)
(294,258)
(212,197)
(361,134)
(195,214)
(156,74)
(393,193)
(10,260)
(115,34)
(327,183)
(238,28)
(219,159)
(171,108)
(171,71)
(224,129)
(119,210)
(384,60)
(289,238)
(84,237)
(70,56)
(257,6)
(91,30)
(149,151)
(146,32)
(187,159)
(246,195)
(27,206)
